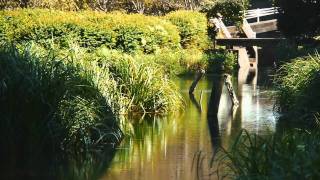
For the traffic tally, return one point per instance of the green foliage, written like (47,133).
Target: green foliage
(306,23)
(222,60)
(154,7)
(192,27)
(177,62)
(129,33)
(73,98)
(229,9)
(298,86)
(141,83)
(292,155)
(55,101)
(288,50)
(156,38)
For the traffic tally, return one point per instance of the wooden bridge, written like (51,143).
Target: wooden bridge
(247,46)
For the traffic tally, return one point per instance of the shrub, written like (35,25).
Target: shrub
(47,100)
(192,27)
(298,85)
(176,62)
(229,9)
(142,84)
(292,155)
(305,24)
(221,61)
(129,33)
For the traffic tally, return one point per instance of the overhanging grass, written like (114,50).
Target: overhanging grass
(142,84)
(56,102)
(298,84)
(74,99)
(292,155)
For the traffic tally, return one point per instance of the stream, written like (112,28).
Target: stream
(164,147)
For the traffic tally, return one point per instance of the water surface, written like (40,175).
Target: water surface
(164,147)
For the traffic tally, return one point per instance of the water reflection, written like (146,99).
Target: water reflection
(37,164)
(164,148)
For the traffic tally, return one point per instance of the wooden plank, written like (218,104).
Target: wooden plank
(248,41)
(264,26)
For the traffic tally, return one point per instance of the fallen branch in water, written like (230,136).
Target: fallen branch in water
(232,94)
(199,75)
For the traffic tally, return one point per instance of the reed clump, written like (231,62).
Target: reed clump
(73,99)
(143,84)
(58,102)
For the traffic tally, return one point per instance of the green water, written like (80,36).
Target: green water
(164,148)
(161,147)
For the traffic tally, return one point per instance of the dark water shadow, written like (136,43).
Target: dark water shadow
(213,109)
(195,102)
(25,162)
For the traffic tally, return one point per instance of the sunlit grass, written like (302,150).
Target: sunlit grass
(291,155)
(75,98)
(298,86)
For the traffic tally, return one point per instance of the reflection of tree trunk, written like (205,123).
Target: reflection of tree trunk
(199,75)
(213,109)
(215,97)
(214,131)
(194,101)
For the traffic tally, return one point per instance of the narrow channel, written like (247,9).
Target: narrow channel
(164,148)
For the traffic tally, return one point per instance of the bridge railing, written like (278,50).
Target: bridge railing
(257,13)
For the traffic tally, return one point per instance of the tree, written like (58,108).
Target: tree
(299,18)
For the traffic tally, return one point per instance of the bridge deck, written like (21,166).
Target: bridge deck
(258,27)
(264,26)
(248,41)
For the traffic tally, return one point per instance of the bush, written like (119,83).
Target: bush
(292,155)
(298,86)
(305,24)
(129,33)
(192,27)
(73,99)
(142,84)
(55,102)
(176,62)
(222,61)
(229,9)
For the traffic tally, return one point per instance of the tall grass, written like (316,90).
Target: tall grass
(45,99)
(298,84)
(292,155)
(142,84)
(75,98)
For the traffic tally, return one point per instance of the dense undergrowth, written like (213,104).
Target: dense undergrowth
(298,88)
(291,155)
(73,99)
(55,101)
(180,35)
(74,75)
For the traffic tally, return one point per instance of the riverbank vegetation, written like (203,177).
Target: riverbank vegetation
(290,152)
(289,155)
(298,85)
(69,80)
(81,71)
